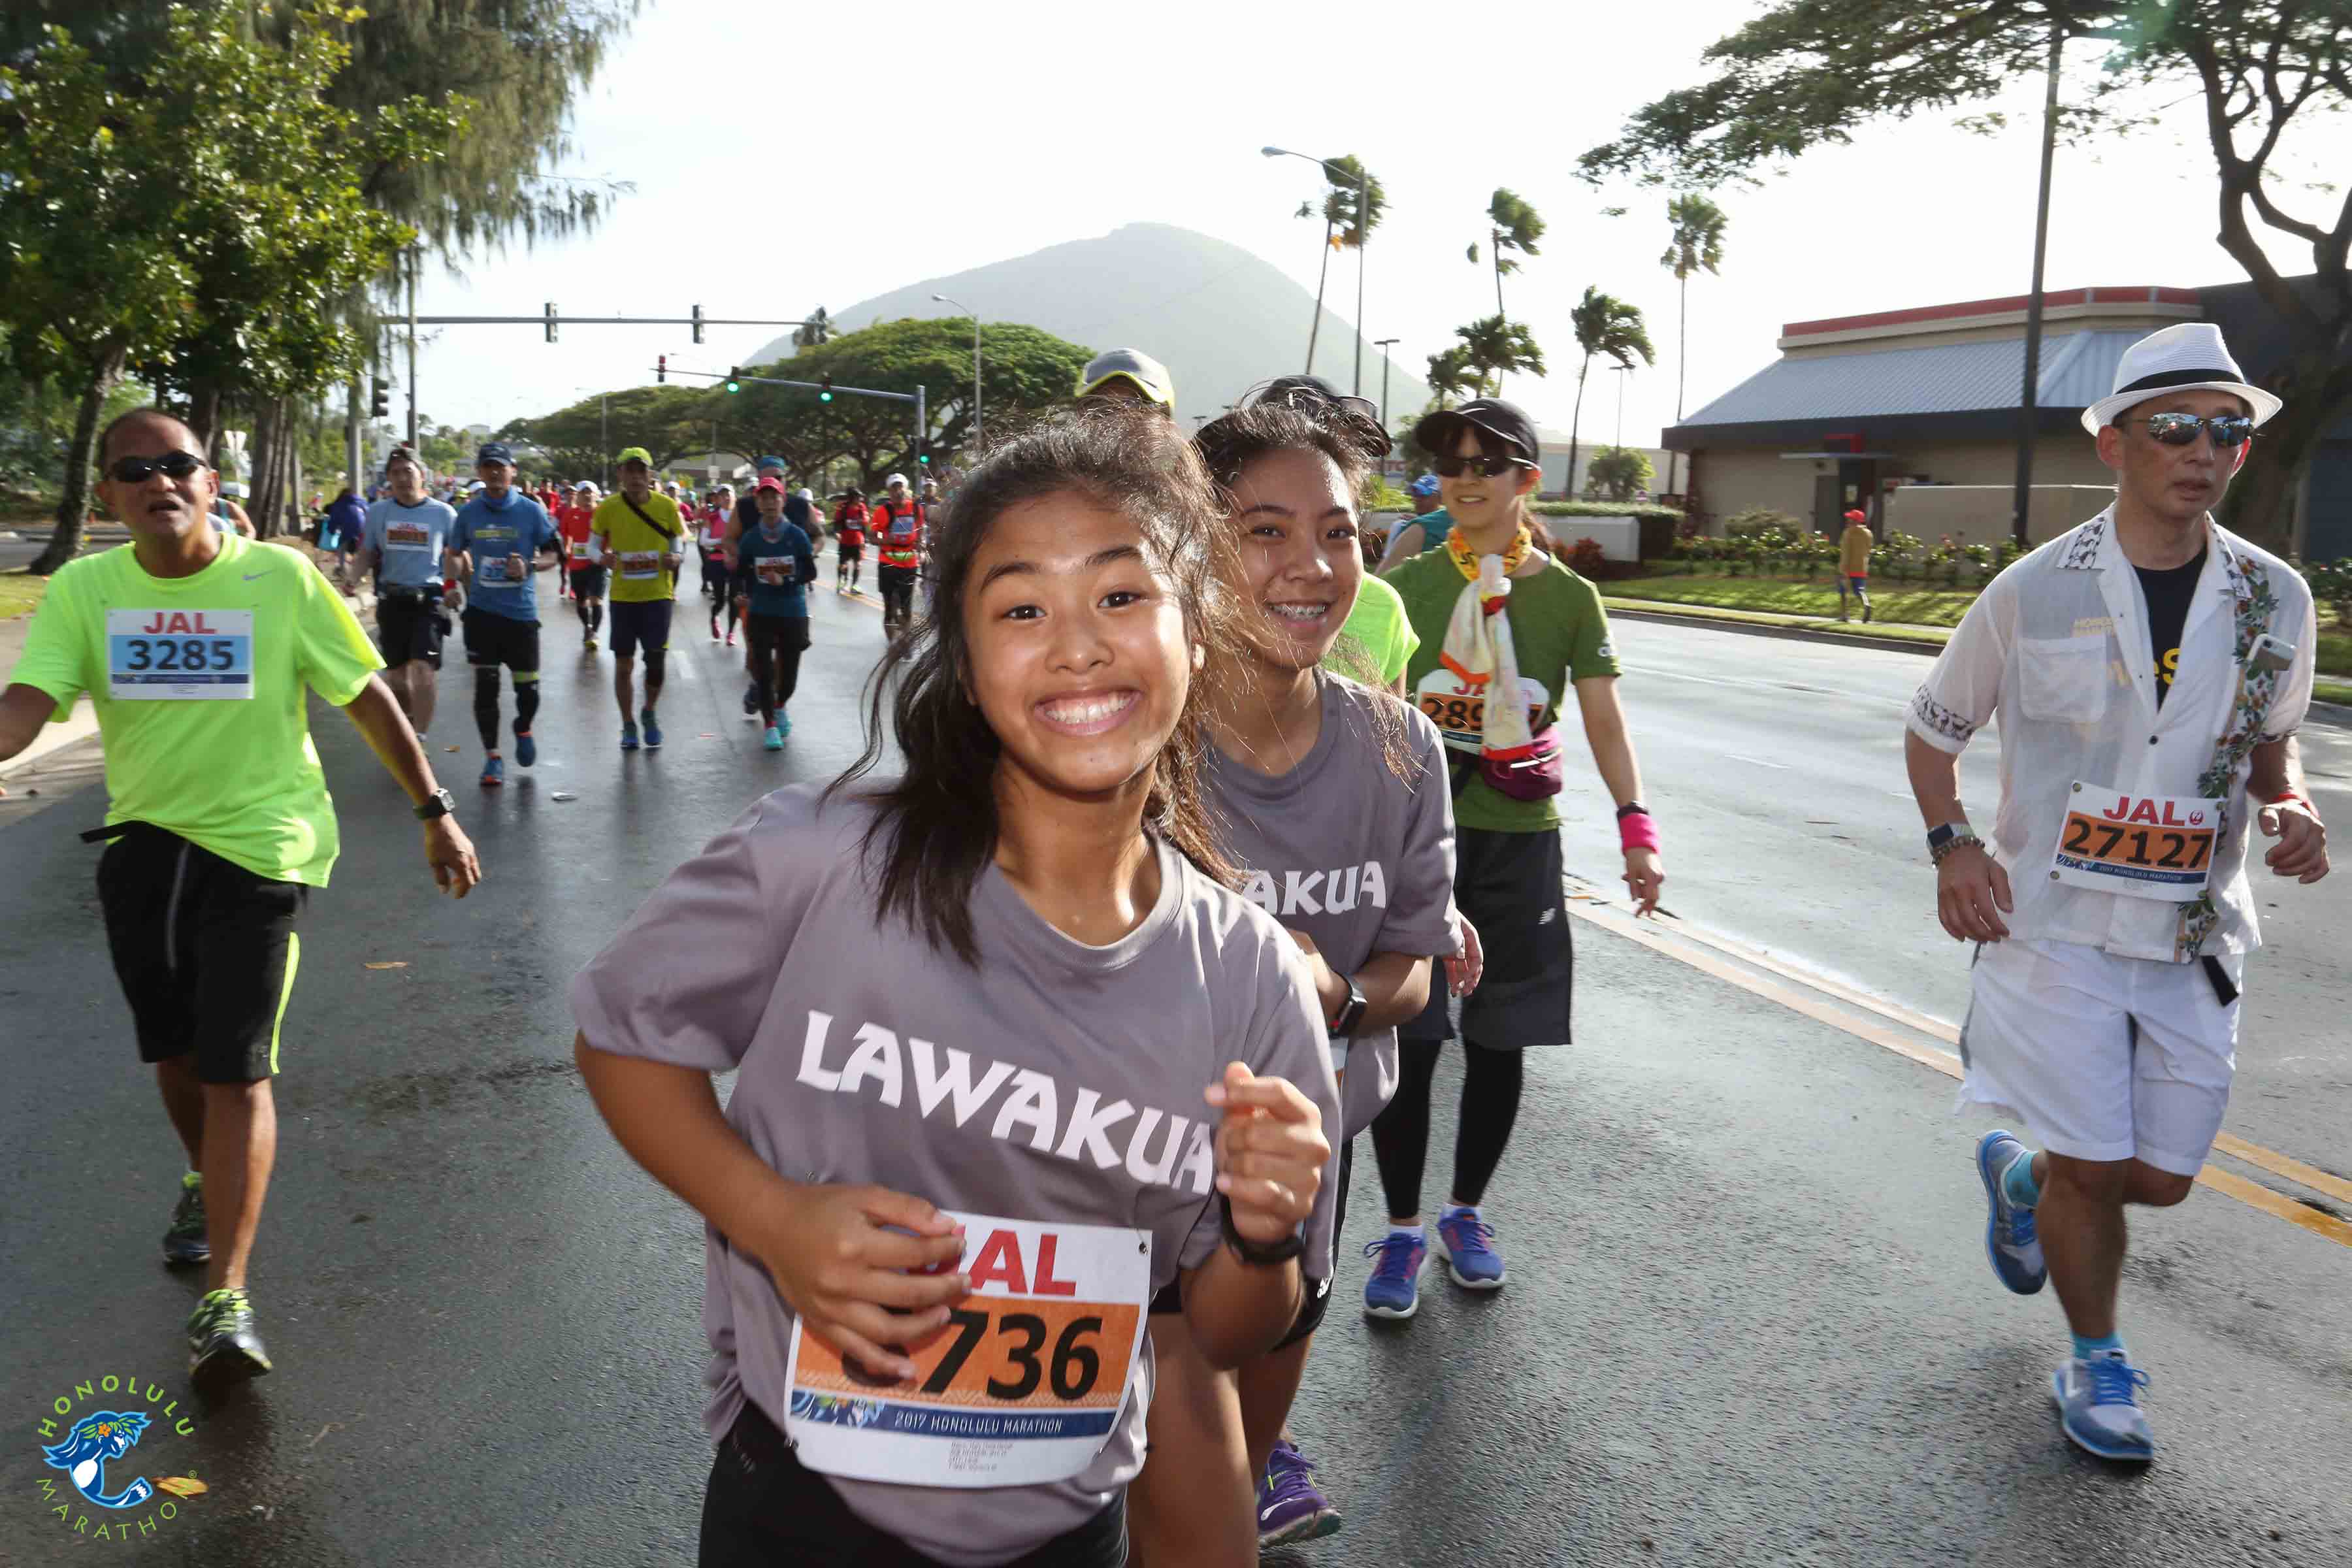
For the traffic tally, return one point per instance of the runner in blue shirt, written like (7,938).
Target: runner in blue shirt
(775,563)
(405,541)
(501,534)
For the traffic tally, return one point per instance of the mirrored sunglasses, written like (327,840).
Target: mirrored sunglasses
(2180,429)
(172,466)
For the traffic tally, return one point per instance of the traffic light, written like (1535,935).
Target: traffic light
(824,389)
(379,405)
(698,323)
(661,368)
(924,459)
(734,378)
(551,321)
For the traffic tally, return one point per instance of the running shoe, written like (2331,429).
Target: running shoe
(494,771)
(752,697)
(189,1240)
(1469,1256)
(653,730)
(2009,1239)
(628,736)
(223,1347)
(2099,1406)
(773,742)
(1290,1506)
(714,631)
(526,749)
(588,643)
(1395,1289)
(783,724)
(730,639)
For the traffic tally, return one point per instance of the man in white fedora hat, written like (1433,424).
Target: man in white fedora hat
(2149,670)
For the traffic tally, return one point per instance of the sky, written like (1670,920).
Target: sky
(778,165)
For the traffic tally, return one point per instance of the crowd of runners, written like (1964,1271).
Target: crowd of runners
(1202,839)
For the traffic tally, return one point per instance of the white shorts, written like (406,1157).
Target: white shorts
(2106,1058)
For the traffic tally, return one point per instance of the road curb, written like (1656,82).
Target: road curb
(1628,610)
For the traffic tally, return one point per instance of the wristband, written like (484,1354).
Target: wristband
(1637,831)
(2289,795)
(1259,1254)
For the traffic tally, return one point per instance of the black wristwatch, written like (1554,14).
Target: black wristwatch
(1259,1254)
(437,804)
(1351,1011)
(1939,837)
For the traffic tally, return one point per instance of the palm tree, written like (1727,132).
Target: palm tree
(813,333)
(1511,225)
(1450,375)
(1605,325)
(1342,227)
(1697,246)
(1492,346)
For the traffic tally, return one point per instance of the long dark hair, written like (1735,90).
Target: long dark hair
(935,828)
(1291,422)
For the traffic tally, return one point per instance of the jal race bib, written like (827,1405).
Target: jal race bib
(1024,1386)
(2143,847)
(179,656)
(1459,710)
(640,564)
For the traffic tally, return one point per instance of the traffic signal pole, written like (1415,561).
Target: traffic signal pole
(827,389)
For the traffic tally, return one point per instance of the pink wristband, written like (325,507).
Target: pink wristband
(1637,831)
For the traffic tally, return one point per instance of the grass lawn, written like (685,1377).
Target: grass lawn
(20,594)
(1901,603)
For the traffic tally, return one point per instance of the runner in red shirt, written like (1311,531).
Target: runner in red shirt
(849,535)
(897,524)
(587,573)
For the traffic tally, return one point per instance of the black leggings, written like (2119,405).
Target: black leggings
(1491,1080)
(776,645)
(486,703)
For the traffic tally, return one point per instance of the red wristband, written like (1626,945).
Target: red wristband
(2289,795)
(1637,831)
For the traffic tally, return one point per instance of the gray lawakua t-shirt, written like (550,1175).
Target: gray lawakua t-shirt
(1054,1081)
(1340,847)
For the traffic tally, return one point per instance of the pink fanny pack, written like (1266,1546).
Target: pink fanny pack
(1539,774)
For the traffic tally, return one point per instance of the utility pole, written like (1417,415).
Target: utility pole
(351,436)
(1364,232)
(2022,502)
(411,350)
(1384,344)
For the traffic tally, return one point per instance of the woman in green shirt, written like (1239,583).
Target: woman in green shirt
(1508,878)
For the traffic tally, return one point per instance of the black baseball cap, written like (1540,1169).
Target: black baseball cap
(1442,431)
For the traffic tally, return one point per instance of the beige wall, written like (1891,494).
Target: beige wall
(1734,479)
(1979,514)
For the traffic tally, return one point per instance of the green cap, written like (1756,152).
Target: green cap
(634,455)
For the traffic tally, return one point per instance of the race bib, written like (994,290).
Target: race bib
(1024,1386)
(2144,847)
(772,572)
(1459,711)
(179,656)
(407,537)
(490,571)
(640,564)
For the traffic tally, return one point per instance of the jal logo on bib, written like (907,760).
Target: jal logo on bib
(179,655)
(2144,847)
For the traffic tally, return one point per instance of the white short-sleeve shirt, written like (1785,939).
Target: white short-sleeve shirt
(2057,647)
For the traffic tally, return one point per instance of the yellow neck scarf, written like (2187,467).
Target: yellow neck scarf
(1466,560)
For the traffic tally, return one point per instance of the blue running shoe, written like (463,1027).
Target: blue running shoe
(494,771)
(1469,1258)
(653,730)
(773,740)
(784,723)
(628,736)
(1290,1506)
(2098,1406)
(526,749)
(1395,1289)
(2009,1239)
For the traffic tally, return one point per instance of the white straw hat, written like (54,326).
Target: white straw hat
(2187,357)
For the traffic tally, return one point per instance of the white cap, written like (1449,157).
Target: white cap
(2187,357)
(806,494)
(896,480)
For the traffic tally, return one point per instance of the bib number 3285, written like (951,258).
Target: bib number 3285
(1024,1386)
(2144,847)
(179,656)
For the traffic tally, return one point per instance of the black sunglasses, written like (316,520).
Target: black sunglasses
(1452,466)
(2228,431)
(1306,400)
(172,465)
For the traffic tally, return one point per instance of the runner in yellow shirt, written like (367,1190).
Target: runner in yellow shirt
(197,648)
(641,535)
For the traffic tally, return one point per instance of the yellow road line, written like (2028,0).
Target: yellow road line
(1655,936)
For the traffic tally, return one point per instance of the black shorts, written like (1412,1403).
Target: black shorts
(1319,1291)
(763,1506)
(1508,885)
(853,552)
(493,639)
(588,582)
(640,622)
(409,626)
(205,951)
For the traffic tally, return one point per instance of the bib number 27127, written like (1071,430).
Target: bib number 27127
(2144,847)
(1024,1386)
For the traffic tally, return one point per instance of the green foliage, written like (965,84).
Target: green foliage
(1347,194)
(1698,243)
(2331,587)
(1605,509)
(1382,496)
(1450,376)
(1609,326)
(1493,347)
(1617,471)
(670,422)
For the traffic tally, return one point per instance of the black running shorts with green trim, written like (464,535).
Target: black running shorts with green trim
(494,639)
(205,951)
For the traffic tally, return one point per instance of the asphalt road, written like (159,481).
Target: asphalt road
(1750,1320)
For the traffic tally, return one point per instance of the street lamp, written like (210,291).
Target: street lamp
(1363,216)
(968,311)
(1384,344)
(1626,371)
